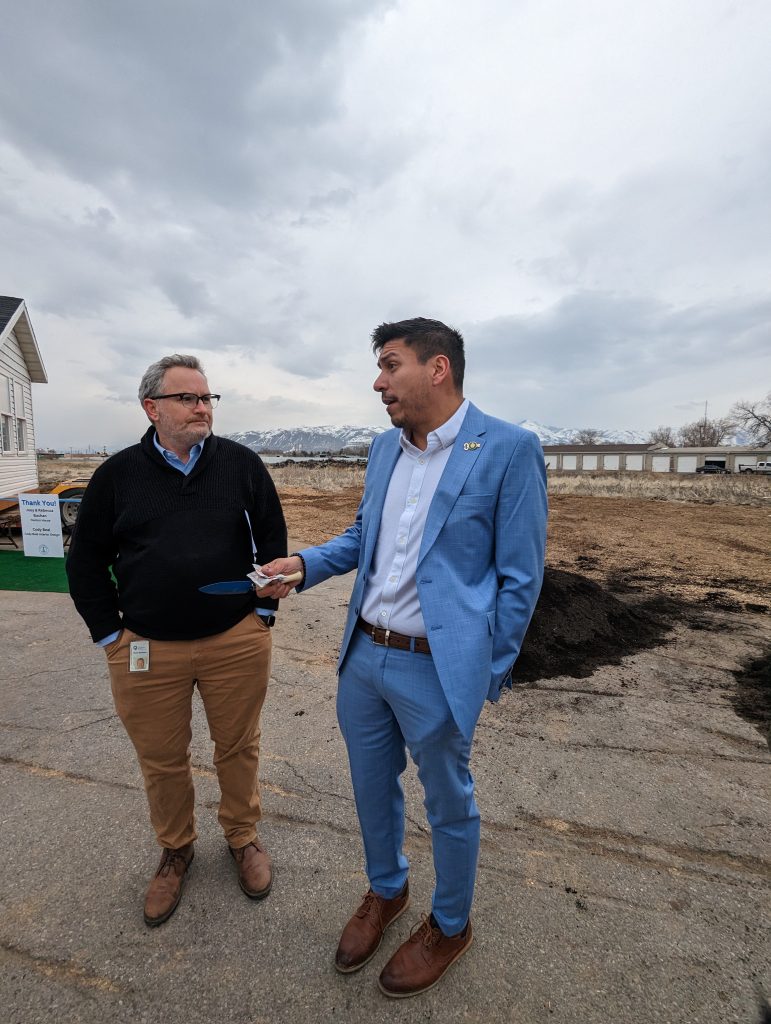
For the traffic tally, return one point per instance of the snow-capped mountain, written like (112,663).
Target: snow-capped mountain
(335,439)
(306,439)
(567,435)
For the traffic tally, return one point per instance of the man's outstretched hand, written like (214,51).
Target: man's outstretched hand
(284,567)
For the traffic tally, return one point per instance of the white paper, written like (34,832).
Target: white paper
(41,525)
(260,580)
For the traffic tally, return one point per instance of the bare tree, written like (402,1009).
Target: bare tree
(587,435)
(704,433)
(663,435)
(755,419)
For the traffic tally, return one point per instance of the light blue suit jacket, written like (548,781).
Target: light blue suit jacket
(480,565)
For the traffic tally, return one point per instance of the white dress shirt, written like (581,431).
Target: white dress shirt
(391,595)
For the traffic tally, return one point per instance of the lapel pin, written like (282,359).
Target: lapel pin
(471,446)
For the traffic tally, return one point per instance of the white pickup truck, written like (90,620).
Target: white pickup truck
(759,467)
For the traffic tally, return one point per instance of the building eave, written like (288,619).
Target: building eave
(20,324)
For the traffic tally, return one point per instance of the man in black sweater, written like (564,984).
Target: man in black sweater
(181,509)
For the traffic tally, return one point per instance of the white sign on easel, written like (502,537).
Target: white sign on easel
(41,525)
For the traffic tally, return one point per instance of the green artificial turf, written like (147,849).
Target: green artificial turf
(17,572)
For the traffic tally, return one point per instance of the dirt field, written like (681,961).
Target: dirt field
(622,575)
(699,552)
(628,559)
(52,471)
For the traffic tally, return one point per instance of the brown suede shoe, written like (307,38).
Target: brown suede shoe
(255,874)
(420,962)
(363,934)
(164,892)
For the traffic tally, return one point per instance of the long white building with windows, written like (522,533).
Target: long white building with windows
(638,458)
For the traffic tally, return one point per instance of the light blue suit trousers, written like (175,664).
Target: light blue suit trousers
(387,701)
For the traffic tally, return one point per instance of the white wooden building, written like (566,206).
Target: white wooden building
(20,367)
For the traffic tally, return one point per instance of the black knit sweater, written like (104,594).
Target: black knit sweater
(165,534)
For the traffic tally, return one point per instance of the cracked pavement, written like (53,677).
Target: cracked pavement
(624,871)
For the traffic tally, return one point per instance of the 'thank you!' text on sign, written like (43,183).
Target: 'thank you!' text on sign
(41,525)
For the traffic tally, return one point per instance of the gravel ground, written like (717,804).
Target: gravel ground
(624,873)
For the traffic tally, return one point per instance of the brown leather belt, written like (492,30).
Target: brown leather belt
(387,638)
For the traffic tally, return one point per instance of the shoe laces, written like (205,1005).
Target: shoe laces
(240,853)
(369,904)
(426,932)
(169,857)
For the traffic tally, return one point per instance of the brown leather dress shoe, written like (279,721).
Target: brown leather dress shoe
(363,934)
(420,962)
(164,892)
(255,873)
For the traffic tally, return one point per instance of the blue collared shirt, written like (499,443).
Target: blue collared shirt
(174,460)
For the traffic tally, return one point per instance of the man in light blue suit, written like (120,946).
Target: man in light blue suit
(448,544)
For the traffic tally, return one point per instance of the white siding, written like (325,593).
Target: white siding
(746,460)
(551,461)
(660,463)
(569,461)
(589,462)
(610,461)
(634,461)
(18,472)
(686,463)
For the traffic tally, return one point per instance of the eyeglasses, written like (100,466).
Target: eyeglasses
(189,400)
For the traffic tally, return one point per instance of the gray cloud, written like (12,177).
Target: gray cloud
(262,184)
(211,103)
(590,344)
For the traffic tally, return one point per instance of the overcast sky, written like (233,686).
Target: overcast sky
(582,187)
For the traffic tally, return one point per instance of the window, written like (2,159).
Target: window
(21,418)
(5,414)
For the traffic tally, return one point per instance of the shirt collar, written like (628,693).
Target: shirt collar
(443,437)
(172,456)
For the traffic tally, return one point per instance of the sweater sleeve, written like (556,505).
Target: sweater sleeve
(92,552)
(268,524)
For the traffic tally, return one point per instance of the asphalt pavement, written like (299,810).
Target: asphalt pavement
(624,873)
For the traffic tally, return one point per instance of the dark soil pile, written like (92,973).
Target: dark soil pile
(578,625)
(752,699)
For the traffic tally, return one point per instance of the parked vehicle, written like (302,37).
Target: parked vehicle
(759,467)
(70,492)
(712,467)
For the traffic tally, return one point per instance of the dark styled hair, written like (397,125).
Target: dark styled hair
(428,338)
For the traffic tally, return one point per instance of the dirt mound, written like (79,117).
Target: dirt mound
(578,625)
(752,700)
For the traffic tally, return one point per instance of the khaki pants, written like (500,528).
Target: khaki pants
(231,672)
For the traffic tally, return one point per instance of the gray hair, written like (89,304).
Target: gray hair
(152,380)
